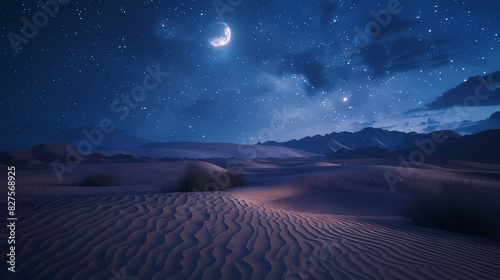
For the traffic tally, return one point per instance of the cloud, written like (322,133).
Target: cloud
(309,64)
(427,114)
(403,54)
(493,122)
(360,125)
(388,127)
(327,10)
(431,128)
(476,91)
(467,126)
(396,27)
(429,122)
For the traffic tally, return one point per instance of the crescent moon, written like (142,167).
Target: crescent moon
(222,40)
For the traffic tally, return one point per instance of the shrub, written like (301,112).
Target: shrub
(460,206)
(100,180)
(203,176)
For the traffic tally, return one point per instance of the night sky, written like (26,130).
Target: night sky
(290,69)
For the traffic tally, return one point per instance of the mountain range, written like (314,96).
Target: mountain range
(366,138)
(481,146)
(365,144)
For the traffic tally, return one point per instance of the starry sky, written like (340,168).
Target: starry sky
(290,69)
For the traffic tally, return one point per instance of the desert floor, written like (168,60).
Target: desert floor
(293,219)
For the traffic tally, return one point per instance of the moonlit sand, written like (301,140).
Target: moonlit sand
(302,218)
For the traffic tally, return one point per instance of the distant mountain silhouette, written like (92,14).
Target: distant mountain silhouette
(44,155)
(333,142)
(210,150)
(368,143)
(369,152)
(481,146)
(413,140)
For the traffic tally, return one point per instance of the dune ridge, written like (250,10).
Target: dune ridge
(224,236)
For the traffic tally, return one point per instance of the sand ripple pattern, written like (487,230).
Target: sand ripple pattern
(221,236)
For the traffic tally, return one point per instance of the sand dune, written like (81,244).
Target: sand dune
(209,150)
(293,220)
(165,236)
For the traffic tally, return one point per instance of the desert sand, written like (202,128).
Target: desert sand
(209,150)
(309,218)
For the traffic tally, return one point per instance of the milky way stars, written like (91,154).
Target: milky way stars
(280,56)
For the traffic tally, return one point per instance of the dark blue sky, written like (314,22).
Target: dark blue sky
(302,59)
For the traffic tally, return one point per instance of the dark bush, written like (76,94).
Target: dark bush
(460,206)
(202,176)
(100,180)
